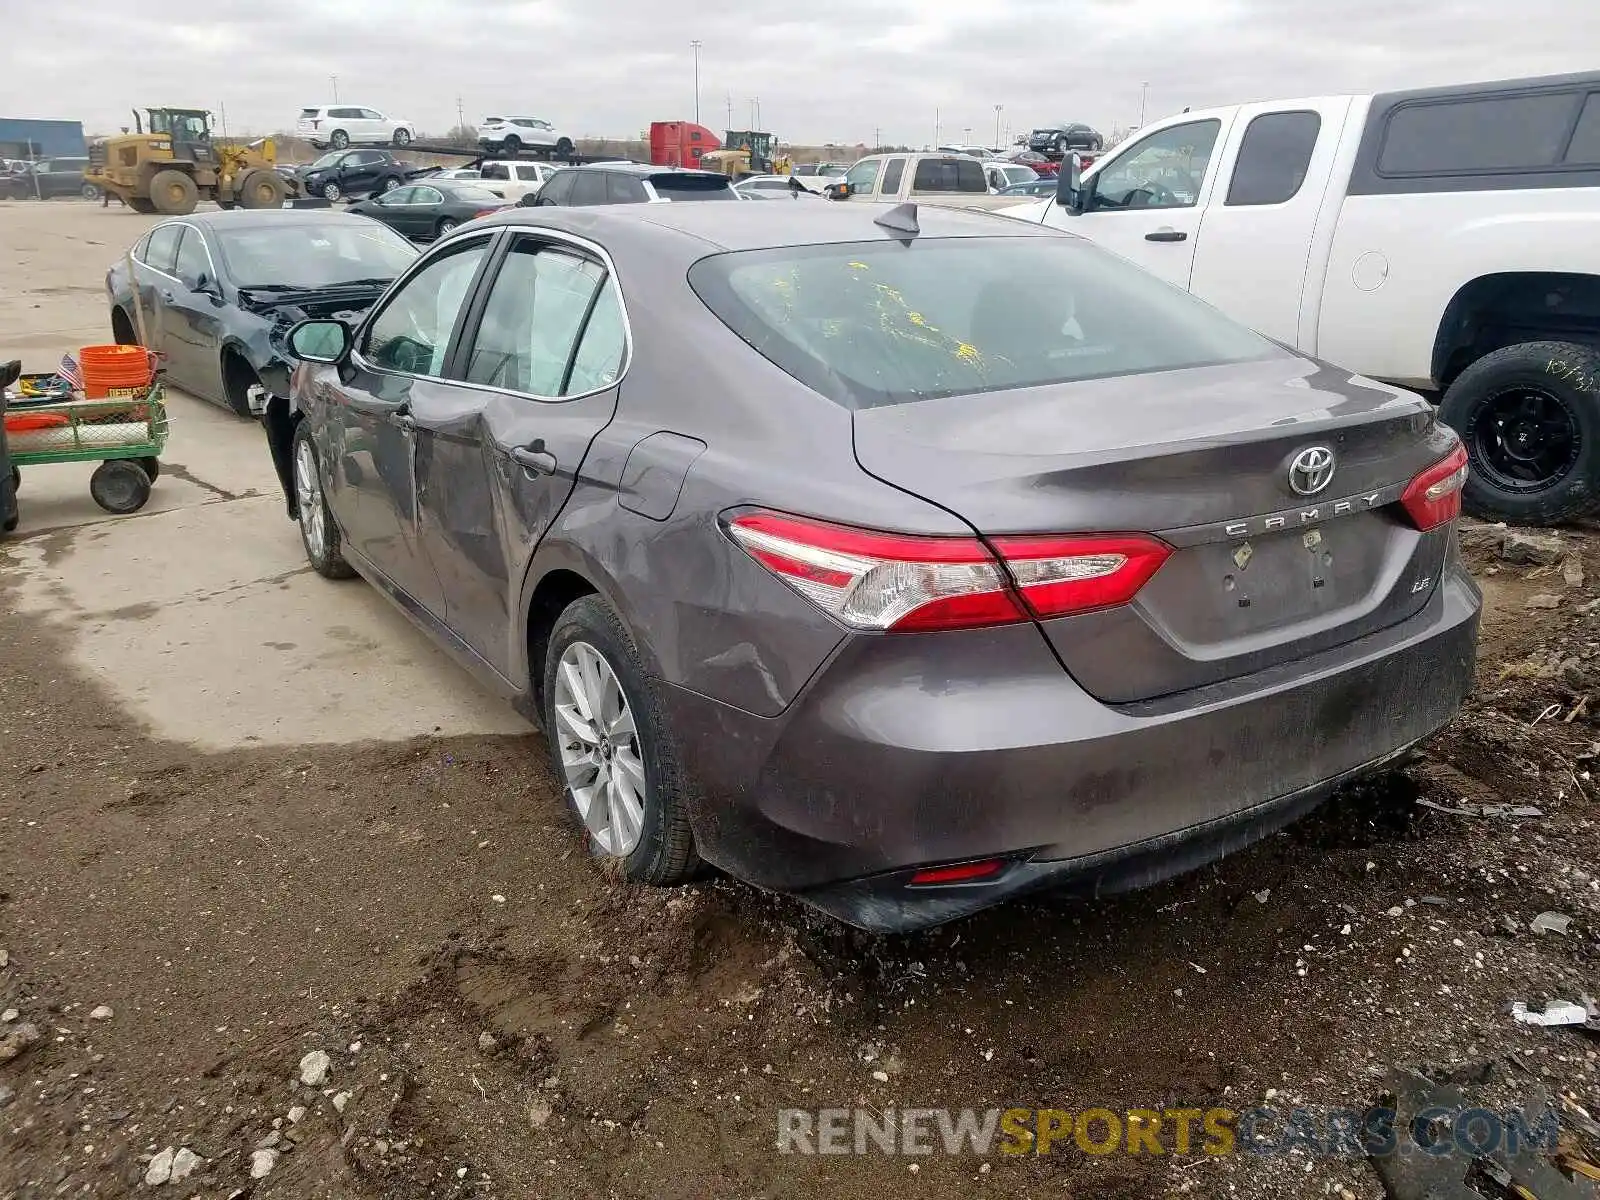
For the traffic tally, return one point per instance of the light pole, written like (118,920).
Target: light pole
(1144,94)
(998,109)
(695,45)
(335,80)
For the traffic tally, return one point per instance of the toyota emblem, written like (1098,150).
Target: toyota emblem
(1311,470)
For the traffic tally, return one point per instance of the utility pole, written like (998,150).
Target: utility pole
(729,125)
(966,138)
(758,112)
(461,117)
(877,138)
(695,45)
(998,109)
(936,127)
(1144,94)
(335,80)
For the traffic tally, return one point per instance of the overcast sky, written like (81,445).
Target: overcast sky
(824,70)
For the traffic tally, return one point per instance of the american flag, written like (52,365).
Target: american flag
(71,372)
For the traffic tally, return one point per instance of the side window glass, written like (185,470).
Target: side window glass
(622,190)
(892,175)
(192,260)
(531,321)
(555,191)
(1585,145)
(599,359)
(395,197)
(1492,133)
(1273,157)
(863,175)
(1163,171)
(412,333)
(162,253)
(589,187)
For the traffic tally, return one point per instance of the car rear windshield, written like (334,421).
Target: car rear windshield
(309,112)
(313,255)
(673,186)
(869,324)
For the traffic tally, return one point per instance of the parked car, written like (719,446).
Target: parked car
(1434,238)
(342,174)
(628,183)
(1002,175)
(1045,167)
(769,186)
(47,179)
(1063,137)
(458,173)
(219,290)
(431,208)
(512,135)
(815,177)
(340,125)
(850,630)
(1030,187)
(513,179)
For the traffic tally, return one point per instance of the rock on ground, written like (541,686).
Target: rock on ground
(314,1068)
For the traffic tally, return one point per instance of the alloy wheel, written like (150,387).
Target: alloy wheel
(1525,439)
(600,754)
(308,498)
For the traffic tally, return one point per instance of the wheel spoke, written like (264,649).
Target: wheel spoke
(627,817)
(622,727)
(571,721)
(628,767)
(572,674)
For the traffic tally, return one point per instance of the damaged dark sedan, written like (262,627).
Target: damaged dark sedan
(215,293)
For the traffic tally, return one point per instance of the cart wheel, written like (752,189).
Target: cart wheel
(120,486)
(152,467)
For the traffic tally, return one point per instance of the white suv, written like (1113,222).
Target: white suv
(339,125)
(511,135)
(514,180)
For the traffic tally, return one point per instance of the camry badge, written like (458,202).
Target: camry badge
(1311,470)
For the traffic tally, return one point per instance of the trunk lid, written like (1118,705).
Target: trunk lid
(1259,575)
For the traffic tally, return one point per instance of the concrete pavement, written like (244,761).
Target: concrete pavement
(198,614)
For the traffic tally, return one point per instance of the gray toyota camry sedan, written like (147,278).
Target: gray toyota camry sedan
(901,560)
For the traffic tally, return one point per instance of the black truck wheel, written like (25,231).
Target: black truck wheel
(1530,417)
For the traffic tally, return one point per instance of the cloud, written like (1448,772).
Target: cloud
(824,70)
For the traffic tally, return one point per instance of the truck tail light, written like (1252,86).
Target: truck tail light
(1434,496)
(910,583)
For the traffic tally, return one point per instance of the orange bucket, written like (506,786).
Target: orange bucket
(109,369)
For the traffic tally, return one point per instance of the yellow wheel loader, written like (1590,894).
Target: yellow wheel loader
(171,164)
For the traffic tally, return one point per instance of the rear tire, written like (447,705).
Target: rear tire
(644,758)
(339,140)
(237,378)
(446,224)
(1530,418)
(122,330)
(89,192)
(512,146)
(331,192)
(140,205)
(120,486)
(318,533)
(173,193)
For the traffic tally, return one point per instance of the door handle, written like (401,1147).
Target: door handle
(166,294)
(1166,235)
(534,458)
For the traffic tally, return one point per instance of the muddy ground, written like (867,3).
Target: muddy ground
(501,1021)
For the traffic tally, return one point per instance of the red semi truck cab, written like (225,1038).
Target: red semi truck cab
(680,143)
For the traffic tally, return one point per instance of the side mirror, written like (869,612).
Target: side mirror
(320,341)
(1069,185)
(838,191)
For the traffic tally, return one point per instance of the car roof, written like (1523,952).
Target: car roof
(261,218)
(754,226)
(644,169)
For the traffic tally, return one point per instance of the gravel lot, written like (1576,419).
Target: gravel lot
(257,816)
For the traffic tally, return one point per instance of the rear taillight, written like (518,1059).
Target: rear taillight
(485,212)
(903,582)
(968,872)
(1434,496)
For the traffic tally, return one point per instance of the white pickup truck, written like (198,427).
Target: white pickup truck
(1447,240)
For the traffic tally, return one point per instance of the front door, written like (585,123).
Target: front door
(191,320)
(538,364)
(399,211)
(360,172)
(398,363)
(1146,203)
(155,272)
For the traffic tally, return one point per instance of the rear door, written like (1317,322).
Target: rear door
(157,273)
(1147,201)
(498,450)
(1256,234)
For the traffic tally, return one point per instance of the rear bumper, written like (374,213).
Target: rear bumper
(901,754)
